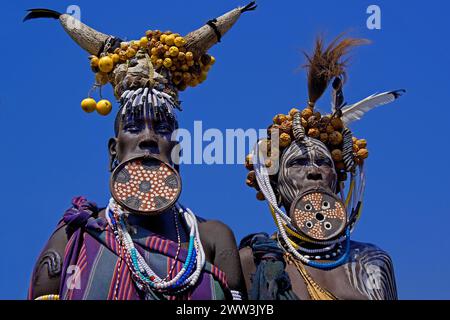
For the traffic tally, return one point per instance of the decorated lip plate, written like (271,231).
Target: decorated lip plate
(145,185)
(319,215)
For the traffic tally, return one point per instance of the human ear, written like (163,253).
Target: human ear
(112,150)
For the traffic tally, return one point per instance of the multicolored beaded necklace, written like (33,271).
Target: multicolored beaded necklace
(144,277)
(321,253)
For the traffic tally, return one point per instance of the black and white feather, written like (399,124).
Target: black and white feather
(358,110)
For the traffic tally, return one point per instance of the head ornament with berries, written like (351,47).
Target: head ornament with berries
(165,61)
(325,66)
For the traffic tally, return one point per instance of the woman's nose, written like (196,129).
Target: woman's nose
(314,175)
(148,141)
(148,145)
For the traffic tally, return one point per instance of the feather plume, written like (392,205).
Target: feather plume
(337,96)
(356,111)
(326,64)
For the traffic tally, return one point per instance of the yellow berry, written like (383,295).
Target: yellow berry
(131,52)
(143,42)
(123,56)
(213,60)
(285,140)
(104,107)
(94,61)
(159,63)
(362,143)
(124,45)
(115,57)
(174,51)
(179,41)
(154,51)
(363,154)
(105,64)
(337,155)
(189,56)
(167,62)
(279,119)
(337,124)
(88,105)
(293,112)
(181,56)
(307,113)
(135,45)
(169,40)
(153,58)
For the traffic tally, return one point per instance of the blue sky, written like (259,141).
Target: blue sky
(53,151)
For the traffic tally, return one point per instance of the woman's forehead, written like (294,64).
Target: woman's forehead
(309,147)
(146,105)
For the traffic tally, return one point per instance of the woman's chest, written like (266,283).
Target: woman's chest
(312,284)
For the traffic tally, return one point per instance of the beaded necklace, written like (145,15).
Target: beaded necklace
(289,247)
(325,253)
(283,222)
(145,278)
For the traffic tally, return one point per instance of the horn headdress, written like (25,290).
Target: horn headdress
(163,61)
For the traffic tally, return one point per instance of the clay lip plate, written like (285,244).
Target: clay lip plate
(145,185)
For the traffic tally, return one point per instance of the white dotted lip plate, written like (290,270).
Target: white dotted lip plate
(145,185)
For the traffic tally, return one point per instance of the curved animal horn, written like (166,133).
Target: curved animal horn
(87,38)
(202,39)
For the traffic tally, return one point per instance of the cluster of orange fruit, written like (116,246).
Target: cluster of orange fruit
(166,50)
(325,128)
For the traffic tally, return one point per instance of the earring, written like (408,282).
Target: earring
(113,164)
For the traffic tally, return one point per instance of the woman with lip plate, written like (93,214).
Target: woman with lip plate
(145,244)
(303,167)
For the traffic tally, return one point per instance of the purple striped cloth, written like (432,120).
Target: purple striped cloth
(94,270)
